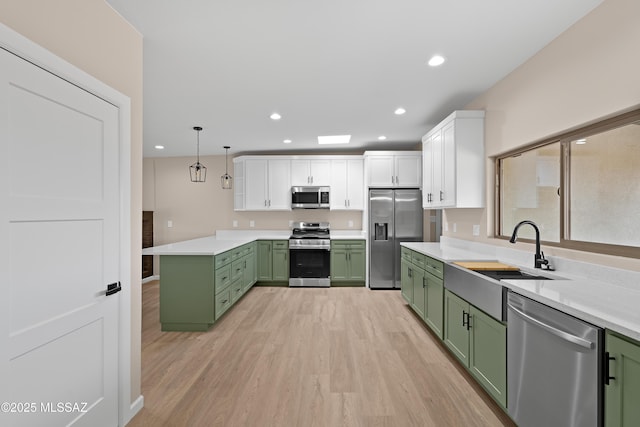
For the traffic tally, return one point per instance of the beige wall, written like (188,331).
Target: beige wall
(94,38)
(588,73)
(199,209)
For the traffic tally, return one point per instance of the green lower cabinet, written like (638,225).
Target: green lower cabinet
(249,272)
(456,332)
(265,260)
(622,408)
(187,292)
(406,281)
(433,306)
(348,262)
(419,289)
(488,353)
(273,261)
(479,342)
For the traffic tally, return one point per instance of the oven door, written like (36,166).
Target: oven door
(309,267)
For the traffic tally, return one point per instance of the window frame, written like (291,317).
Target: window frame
(565,173)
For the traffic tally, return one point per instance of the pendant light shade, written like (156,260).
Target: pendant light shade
(226,180)
(198,171)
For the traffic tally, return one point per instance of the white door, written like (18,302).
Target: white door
(381,172)
(320,171)
(355,184)
(279,184)
(408,170)
(59,249)
(300,173)
(338,196)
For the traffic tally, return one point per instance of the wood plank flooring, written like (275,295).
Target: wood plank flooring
(306,357)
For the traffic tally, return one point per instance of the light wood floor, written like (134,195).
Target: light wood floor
(306,357)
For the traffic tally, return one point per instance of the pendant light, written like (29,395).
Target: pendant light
(226,180)
(198,171)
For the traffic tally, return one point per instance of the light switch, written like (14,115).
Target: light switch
(476,229)
(252,223)
(169,224)
(235,223)
(350,224)
(455,227)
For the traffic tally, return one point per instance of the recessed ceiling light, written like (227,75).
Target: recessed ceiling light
(436,60)
(400,111)
(334,139)
(159,147)
(382,137)
(275,116)
(287,141)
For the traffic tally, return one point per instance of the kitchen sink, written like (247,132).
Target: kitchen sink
(511,275)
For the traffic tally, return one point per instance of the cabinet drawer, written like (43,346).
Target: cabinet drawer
(405,254)
(237,268)
(236,290)
(223,302)
(223,258)
(280,244)
(418,259)
(434,267)
(223,277)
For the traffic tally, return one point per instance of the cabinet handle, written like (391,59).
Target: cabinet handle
(410,275)
(312,179)
(345,203)
(397,180)
(466,318)
(225,301)
(423,283)
(607,372)
(441,195)
(349,203)
(265,202)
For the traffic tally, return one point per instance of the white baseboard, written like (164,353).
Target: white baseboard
(150,279)
(136,406)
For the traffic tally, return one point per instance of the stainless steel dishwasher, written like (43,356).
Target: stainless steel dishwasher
(553,366)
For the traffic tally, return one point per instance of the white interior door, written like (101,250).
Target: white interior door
(59,248)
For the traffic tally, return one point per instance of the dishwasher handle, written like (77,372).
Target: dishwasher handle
(555,331)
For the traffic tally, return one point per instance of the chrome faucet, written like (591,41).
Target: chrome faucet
(538,260)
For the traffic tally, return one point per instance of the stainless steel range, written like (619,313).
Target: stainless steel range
(310,254)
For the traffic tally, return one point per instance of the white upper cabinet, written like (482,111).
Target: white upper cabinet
(394,168)
(267,184)
(347,184)
(453,158)
(310,172)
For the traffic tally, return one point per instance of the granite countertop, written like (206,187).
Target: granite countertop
(607,305)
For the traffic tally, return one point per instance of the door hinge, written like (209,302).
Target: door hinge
(113,288)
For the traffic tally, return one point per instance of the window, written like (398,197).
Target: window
(581,189)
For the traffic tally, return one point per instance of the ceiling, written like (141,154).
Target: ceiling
(327,67)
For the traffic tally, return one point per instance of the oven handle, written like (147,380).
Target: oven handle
(306,248)
(557,332)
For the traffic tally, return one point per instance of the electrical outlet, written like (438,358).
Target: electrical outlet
(252,223)
(169,224)
(290,223)
(476,229)
(446,226)
(350,224)
(235,223)
(455,227)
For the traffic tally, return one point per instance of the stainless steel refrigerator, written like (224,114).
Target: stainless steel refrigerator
(394,216)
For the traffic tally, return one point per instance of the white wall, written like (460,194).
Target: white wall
(588,73)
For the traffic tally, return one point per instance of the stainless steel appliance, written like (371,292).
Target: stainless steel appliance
(309,255)
(553,366)
(394,216)
(310,198)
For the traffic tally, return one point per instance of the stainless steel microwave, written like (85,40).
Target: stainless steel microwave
(309,197)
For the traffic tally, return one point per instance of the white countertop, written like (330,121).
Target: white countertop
(614,306)
(225,240)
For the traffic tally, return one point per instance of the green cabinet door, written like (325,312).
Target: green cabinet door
(488,353)
(434,308)
(456,333)
(249,276)
(357,263)
(621,394)
(419,288)
(406,281)
(281,265)
(339,269)
(265,260)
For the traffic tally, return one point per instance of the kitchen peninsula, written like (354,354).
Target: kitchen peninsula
(200,279)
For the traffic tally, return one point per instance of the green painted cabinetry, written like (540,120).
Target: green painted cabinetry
(479,342)
(421,288)
(348,262)
(622,408)
(196,290)
(273,261)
